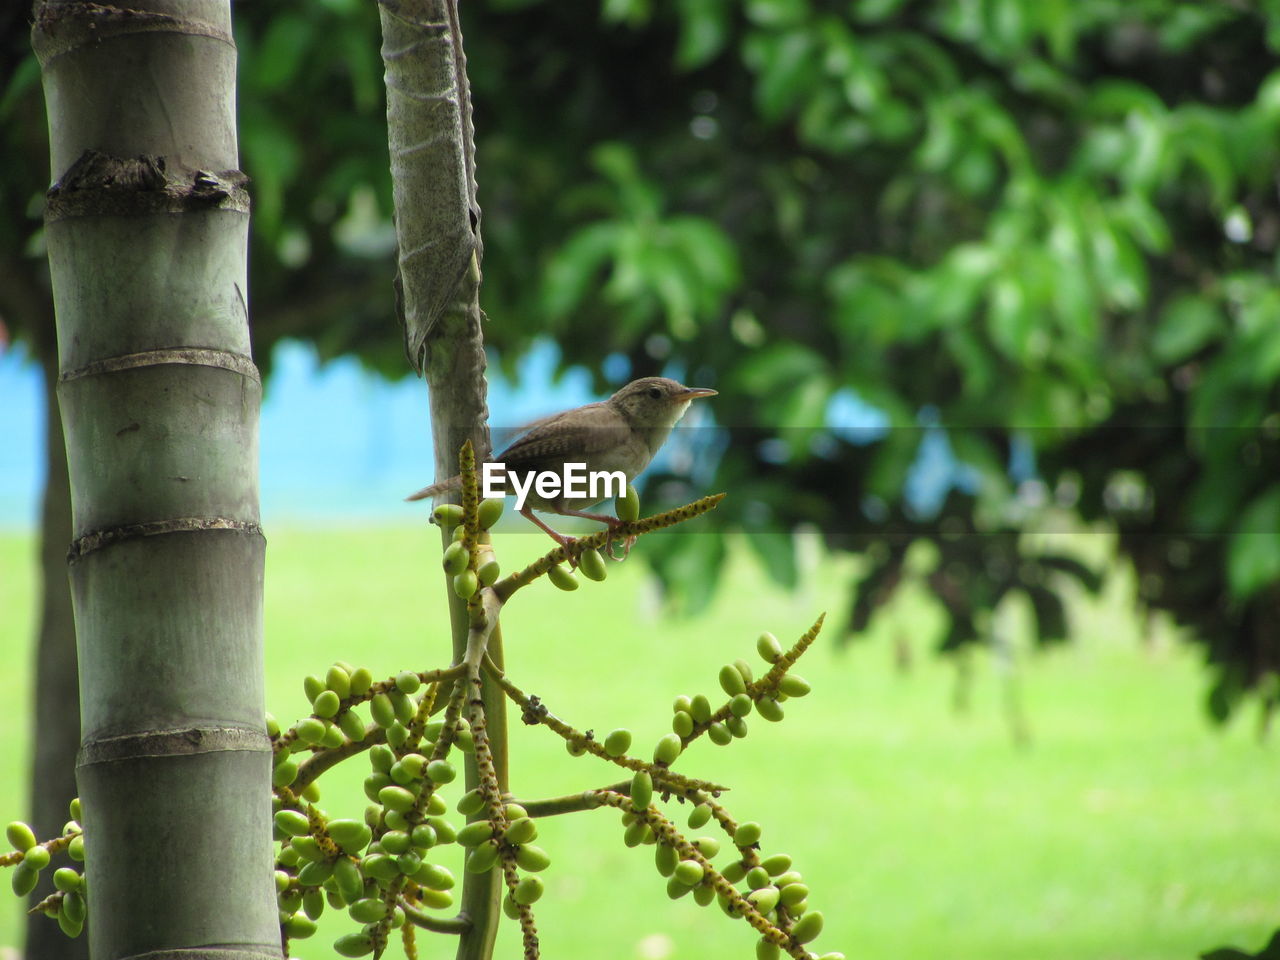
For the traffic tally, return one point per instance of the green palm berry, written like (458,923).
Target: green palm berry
(471,802)
(404,708)
(529,890)
(395,842)
(737,727)
(731,681)
(683,702)
(285,772)
(423,836)
(434,877)
(466,741)
(676,888)
(77,810)
(310,729)
(69,926)
(332,735)
(379,866)
(641,790)
(466,584)
(794,686)
(627,506)
(770,709)
(682,724)
(395,820)
(441,771)
(24,878)
(312,686)
(703,894)
(748,833)
(459,533)
(37,858)
(562,578)
(68,880)
(339,681)
(293,823)
(700,707)
(532,858)
(689,872)
(474,834)
(740,705)
(592,565)
(668,749)
(413,764)
(707,846)
(299,928)
(633,836)
(719,734)
(397,734)
(757,877)
(617,742)
(75,849)
(515,812)
(273,731)
(764,898)
(488,573)
(790,876)
(347,878)
(409,863)
(665,859)
(361,681)
(699,815)
(448,514)
(408,682)
(522,831)
(510,907)
(807,927)
(445,833)
(777,864)
(351,724)
(767,950)
(289,901)
(308,848)
(794,893)
(396,798)
(326,705)
(384,714)
(375,782)
(744,668)
(833,955)
(482,858)
(489,512)
(314,874)
(576,746)
(455,559)
(354,944)
(768,647)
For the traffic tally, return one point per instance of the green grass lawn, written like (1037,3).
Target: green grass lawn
(1127,829)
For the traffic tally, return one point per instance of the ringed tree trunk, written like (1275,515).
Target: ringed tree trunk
(147,230)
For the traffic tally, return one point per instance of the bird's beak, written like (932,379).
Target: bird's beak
(693,393)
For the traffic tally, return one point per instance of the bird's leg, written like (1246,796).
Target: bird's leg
(557,537)
(613,523)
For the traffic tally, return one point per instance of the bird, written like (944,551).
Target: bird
(622,434)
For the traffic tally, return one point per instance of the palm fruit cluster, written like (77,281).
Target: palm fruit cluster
(68,904)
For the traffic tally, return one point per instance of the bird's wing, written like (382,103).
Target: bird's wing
(594,427)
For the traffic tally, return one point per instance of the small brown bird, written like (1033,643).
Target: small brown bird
(615,436)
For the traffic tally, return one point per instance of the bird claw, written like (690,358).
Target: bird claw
(626,547)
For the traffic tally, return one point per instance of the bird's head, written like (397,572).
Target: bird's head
(655,404)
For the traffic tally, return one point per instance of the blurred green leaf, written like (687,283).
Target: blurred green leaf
(1254,557)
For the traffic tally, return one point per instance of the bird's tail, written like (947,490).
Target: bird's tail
(436,489)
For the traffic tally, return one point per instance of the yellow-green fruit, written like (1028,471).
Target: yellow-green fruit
(641,790)
(700,707)
(770,709)
(395,842)
(794,686)
(665,859)
(448,514)
(397,734)
(75,850)
(682,724)
(404,708)
(676,888)
(312,686)
(310,730)
(24,878)
(289,901)
(703,894)
(634,835)
(351,724)
(683,702)
(794,893)
(354,944)
(332,738)
(423,836)
(510,908)
(369,910)
(37,858)
(617,742)
(768,647)
(737,726)
(408,682)
(767,950)
(777,864)
(409,863)
(77,810)
(668,749)
(384,714)
(532,858)
(339,681)
(67,880)
(361,680)
(455,559)
(347,878)
(396,798)
(326,705)
(482,858)
(314,874)
(699,815)
(765,898)
(628,506)
(757,878)
(747,834)
(299,928)
(434,877)
(833,955)
(307,848)
(411,763)
(74,907)
(522,831)
(744,668)
(69,926)
(488,572)
(441,771)
(445,833)
(466,584)
(489,512)
(592,565)
(273,731)
(740,705)
(474,834)
(528,890)
(515,812)
(689,872)
(395,820)
(285,772)
(466,741)
(459,533)
(731,681)
(293,823)
(707,846)
(807,927)
(562,578)
(471,802)
(379,866)
(719,734)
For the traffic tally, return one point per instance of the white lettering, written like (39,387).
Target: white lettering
(522,491)
(493,480)
(574,475)
(548,484)
(610,479)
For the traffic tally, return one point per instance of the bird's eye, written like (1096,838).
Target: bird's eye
(655,393)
